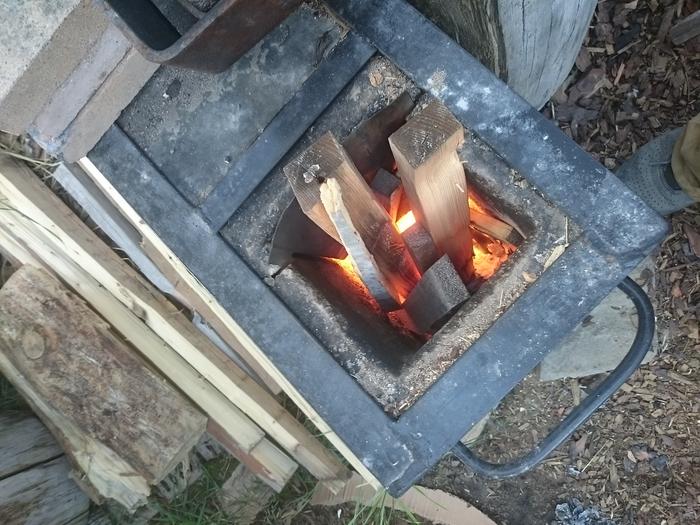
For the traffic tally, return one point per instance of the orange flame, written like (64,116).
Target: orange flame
(405,222)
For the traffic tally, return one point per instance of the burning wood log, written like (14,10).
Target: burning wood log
(361,259)
(494,227)
(420,244)
(425,150)
(358,214)
(438,294)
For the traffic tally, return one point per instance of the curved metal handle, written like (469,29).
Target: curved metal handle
(579,415)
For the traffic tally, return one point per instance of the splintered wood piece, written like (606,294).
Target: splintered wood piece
(494,227)
(433,178)
(421,246)
(122,424)
(439,293)
(362,260)
(326,160)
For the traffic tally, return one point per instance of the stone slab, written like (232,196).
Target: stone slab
(41,43)
(601,341)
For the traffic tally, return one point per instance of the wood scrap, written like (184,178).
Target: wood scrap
(421,246)
(44,213)
(43,494)
(494,227)
(130,428)
(433,178)
(24,442)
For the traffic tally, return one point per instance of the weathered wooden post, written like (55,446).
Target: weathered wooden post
(530,44)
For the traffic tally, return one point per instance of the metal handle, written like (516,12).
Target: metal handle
(580,414)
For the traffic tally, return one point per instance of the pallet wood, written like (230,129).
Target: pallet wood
(129,422)
(42,495)
(421,246)
(685,29)
(43,208)
(217,316)
(265,460)
(326,159)
(24,442)
(433,178)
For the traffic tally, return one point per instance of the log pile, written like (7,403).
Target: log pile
(103,299)
(407,236)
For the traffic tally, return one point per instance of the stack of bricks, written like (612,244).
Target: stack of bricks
(67,73)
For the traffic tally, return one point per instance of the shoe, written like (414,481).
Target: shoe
(648,173)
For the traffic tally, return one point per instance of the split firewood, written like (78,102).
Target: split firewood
(363,222)
(438,294)
(433,178)
(122,425)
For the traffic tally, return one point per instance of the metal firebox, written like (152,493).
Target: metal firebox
(199,158)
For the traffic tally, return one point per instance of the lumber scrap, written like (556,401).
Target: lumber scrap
(217,316)
(324,160)
(55,225)
(425,149)
(43,494)
(24,442)
(387,189)
(115,418)
(421,246)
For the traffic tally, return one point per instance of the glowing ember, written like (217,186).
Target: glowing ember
(405,222)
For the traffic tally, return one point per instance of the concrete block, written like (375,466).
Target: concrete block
(102,110)
(600,342)
(41,44)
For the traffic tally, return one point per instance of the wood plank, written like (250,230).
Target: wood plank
(326,159)
(433,178)
(362,261)
(239,431)
(270,464)
(24,442)
(686,29)
(44,209)
(114,416)
(42,495)
(217,316)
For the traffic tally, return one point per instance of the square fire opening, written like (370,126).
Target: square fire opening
(393,363)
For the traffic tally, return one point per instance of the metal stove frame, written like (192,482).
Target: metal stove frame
(618,231)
